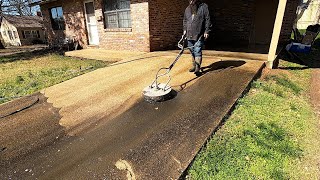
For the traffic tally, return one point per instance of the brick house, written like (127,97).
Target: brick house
(151,25)
(22,30)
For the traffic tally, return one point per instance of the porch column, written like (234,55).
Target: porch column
(276,33)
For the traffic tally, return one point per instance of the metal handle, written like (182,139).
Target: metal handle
(181,45)
(181,42)
(155,82)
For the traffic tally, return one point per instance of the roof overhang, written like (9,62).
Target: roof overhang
(42,2)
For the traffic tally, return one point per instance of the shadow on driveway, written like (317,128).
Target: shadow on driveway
(220,65)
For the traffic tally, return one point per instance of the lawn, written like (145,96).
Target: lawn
(28,73)
(272,134)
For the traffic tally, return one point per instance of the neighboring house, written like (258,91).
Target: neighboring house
(9,33)
(151,25)
(311,16)
(23,30)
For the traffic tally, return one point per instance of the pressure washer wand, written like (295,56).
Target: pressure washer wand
(158,92)
(181,45)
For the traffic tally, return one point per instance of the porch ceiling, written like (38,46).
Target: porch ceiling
(46,1)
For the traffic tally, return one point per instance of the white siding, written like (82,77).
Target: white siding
(311,15)
(9,34)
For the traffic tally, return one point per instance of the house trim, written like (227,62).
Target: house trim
(276,33)
(46,1)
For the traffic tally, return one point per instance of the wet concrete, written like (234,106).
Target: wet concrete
(151,141)
(27,124)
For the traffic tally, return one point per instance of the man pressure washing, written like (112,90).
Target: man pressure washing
(196,28)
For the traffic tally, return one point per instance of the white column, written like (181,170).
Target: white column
(276,32)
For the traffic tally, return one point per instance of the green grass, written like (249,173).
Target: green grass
(26,75)
(272,134)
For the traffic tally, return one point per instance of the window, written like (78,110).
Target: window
(4,33)
(15,33)
(31,34)
(117,13)
(10,35)
(57,20)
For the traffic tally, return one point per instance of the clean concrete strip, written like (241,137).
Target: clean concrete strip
(147,141)
(110,91)
(103,55)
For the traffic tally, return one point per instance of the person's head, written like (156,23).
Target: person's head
(194,5)
(192,2)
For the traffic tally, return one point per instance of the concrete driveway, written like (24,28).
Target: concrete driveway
(97,126)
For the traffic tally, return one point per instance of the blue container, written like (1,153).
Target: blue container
(300,48)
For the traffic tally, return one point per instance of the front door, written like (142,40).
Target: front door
(91,23)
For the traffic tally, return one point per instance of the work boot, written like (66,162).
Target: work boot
(198,61)
(193,66)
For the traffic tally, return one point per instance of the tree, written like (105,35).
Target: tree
(16,7)
(1,3)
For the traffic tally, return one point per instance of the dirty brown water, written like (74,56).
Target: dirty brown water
(157,141)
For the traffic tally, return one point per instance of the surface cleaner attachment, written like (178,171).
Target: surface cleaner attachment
(157,92)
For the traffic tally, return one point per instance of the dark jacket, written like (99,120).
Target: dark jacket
(199,25)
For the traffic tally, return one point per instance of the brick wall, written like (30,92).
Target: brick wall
(135,38)
(157,24)
(232,20)
(73,12)
(289,17)
(166,23)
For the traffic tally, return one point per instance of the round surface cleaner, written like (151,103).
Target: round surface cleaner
(157,94)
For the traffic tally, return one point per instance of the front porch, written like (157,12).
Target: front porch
(115,56)
(245,27)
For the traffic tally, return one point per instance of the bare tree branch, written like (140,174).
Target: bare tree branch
(16,7)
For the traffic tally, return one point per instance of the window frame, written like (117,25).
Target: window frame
(57,24)
(10,34)
(15,34)
(116,11)
(4,32)
(32,34)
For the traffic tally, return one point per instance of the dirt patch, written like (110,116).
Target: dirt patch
(315,90)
